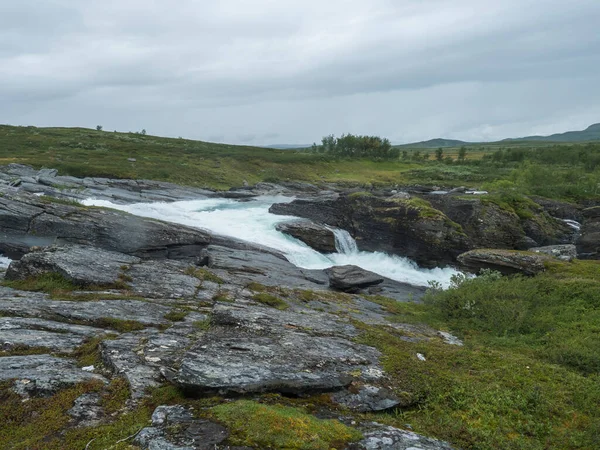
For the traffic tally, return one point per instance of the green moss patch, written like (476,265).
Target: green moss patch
(204,275)
(270,300)
(264,426)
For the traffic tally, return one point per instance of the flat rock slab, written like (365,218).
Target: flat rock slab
(352,278)
(42,375)
(82,265)
(59,342)
(233,361)
(265,319)
(505,261)
(149,314)
(318,237)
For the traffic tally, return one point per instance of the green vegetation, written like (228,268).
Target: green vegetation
(51,283)
(270,300)
(270,427)
(204,274)
(176,315)
(351,146)
(528,376)
(567,171)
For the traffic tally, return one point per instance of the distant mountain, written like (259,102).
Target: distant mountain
(435,143)
(591,133)
(288,146)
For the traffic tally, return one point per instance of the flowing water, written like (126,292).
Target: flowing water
(252,222)
(4,262)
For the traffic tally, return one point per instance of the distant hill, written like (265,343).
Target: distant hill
(435,143)
(591,133)
(288,146)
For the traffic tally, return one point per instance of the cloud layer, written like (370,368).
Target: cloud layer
(265,71)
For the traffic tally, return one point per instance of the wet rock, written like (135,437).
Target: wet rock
(175,428)
(381,437)
(562,252)
(42,375)
(366,399)
(588,244)
(504,261)
(318,237)
(230,360)
(352,278)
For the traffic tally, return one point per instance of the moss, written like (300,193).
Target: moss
(23,350)
(270,300)
(88,353)
(204,275)
(223,296)
(176,315)
(52,283)
(361,194)
(265,426)
(257,287)
(60,201)
(202,325)
(121,325)
(115,396)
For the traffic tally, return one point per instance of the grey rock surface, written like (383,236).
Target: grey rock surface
(318,237)
(42,375)
(381,437)
(234,361)
(352,278)
(366,399)
(566,252)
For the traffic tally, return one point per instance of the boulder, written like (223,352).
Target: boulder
(504,261)
(382,437)
(366,399)
(562,252)
(588,244)
(352,278)
(317,237)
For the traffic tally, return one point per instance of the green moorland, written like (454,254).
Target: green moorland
(567,171)
(528,376)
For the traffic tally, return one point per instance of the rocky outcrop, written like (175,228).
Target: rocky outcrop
(317,237)
(352,278)
(562,252)
(588,244)
(406,227)
(504,261)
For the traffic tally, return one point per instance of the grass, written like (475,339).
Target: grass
(51,283)
(270,300)
(272,427)
(176,315)
(204,275)
(528,376)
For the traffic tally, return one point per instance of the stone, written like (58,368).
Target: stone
(233,361)
(42,375)
(366,399)
(381,437)
(504,261)
(562,252)
(352,278)
(317,237)
(175,428)
(86,410)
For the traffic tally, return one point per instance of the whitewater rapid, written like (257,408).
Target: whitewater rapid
(4,262)
(251,221)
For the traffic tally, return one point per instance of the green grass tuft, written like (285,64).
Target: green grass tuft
(270,300)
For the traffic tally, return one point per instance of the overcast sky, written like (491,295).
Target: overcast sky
(286,71)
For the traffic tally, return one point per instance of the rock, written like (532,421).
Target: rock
(381,437)
(588,244)
(504,261)
(366,399)
(318,237)
(227,360)
(562,252)
(87,411)
(352,278)
(175,428)
(81,265)
(42,375)
(405,227)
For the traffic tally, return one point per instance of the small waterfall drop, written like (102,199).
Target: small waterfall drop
(573,224)
(344,243)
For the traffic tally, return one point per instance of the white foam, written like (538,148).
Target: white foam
(251,221)
(4,262)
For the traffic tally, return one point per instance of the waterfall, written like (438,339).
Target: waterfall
(573,224)
(344,243)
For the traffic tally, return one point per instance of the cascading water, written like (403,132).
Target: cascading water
(251,221)
(344,243)
(4,262)
(573,224)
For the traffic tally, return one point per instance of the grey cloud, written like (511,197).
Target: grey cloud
(261,71)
